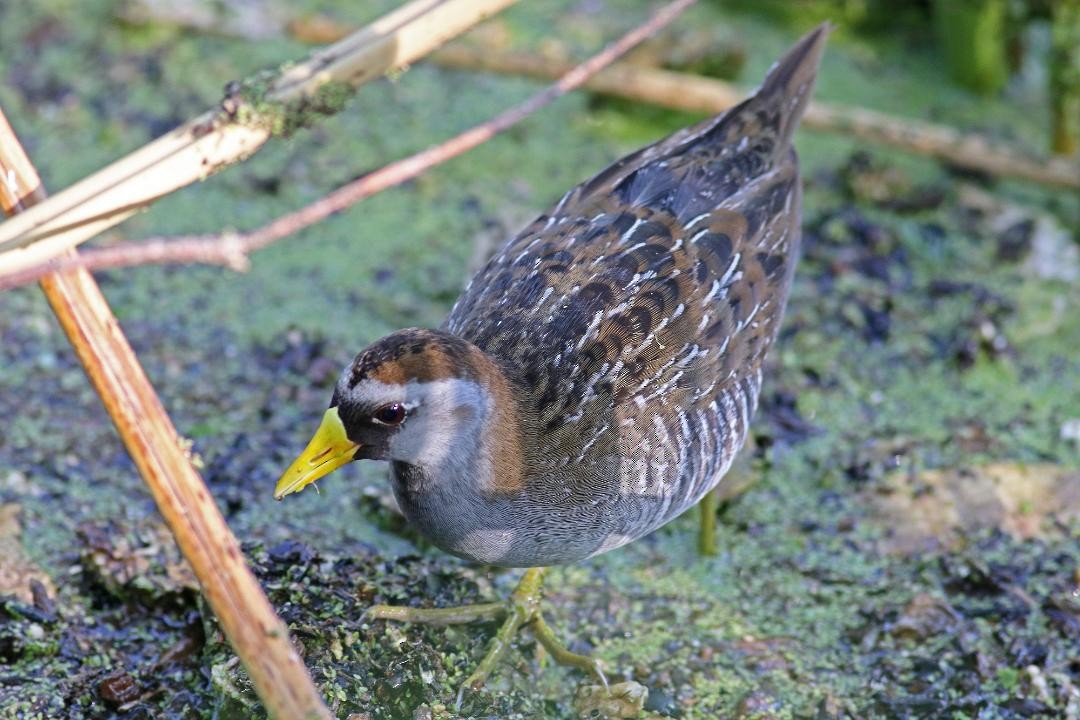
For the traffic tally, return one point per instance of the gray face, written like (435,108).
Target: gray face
(441,429)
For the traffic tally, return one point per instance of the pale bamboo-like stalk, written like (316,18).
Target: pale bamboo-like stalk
(682,91)
(232,249)
(259,637)
(215,140)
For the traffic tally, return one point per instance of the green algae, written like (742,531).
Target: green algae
(252,103)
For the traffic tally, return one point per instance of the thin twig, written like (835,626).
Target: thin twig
(231,249)
(694,93)
(232,132)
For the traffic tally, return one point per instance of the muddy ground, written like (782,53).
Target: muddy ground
(909,546)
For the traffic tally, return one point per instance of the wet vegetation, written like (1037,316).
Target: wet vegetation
(909,545)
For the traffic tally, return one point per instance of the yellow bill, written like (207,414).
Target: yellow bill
(328,450)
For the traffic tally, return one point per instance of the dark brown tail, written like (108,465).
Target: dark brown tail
(791,81)
(685,182)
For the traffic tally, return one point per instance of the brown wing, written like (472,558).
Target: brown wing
(636,314)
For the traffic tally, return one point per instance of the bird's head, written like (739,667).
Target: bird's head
(421,397)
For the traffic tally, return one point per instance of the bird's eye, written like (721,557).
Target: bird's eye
(393,414)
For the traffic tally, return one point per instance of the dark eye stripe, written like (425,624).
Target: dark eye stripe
(390,414)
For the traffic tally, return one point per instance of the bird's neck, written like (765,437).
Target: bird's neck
(502,442)
(451,496)
(474,448)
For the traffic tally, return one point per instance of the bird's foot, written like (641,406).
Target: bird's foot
(521,610)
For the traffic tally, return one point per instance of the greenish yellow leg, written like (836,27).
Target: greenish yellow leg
(524,604)
(546,637)
(707,535)
(522,609)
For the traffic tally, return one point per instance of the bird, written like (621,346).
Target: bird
(597,377)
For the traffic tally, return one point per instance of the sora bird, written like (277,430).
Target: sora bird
(597,377)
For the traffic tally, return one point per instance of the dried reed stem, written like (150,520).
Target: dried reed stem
(694,93)
(258,635)
(700,94)
(229,134)
(232,249)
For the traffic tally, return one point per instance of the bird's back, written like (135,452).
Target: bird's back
(636,314)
